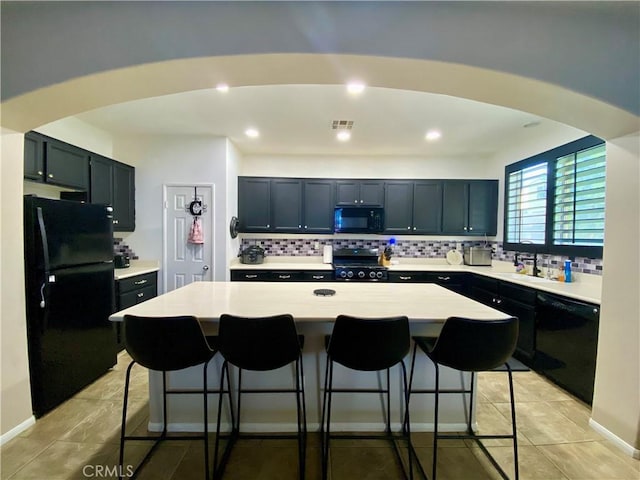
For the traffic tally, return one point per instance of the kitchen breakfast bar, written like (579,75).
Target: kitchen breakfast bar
(426,305)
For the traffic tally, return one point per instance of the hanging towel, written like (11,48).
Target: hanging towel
(195,234)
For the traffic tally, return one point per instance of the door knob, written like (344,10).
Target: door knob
(205,267)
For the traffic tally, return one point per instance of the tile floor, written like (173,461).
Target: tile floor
(80,438)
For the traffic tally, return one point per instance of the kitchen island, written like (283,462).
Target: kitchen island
(426,305)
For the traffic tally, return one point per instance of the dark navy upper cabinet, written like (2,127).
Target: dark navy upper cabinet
(286,205)
(470,207)
(318,206)
(66,165)
(34,156)
(254,204)
(360,193)
(413,207)
(113,183)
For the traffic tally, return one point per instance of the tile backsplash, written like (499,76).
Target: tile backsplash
(293,247)
(120,247)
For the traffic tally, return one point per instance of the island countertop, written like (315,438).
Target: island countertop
(208,300)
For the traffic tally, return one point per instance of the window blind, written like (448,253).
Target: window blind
(527,204)
(579,195)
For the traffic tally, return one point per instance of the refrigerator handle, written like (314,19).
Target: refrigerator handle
(43,239)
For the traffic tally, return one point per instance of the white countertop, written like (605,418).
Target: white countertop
(421,302)
(587,288)
(137,267)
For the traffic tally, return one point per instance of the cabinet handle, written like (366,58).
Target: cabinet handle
(470,228)
(317,277)
(595,311)
(50,175)
(284,277)
(300,226)
(499,301)
(115,221)
(414,228)
(405,278)
(361,201)
(464,228)
(140,282)
(305,227)
(444,278)
(268,225)
(251,276)
(140,295)
(40,172)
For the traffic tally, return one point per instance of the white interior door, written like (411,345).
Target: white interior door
(187,262)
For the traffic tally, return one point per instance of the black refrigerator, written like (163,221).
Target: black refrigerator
(70,295)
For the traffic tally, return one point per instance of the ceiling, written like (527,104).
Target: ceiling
(297,119)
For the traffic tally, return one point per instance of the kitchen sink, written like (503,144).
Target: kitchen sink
(526,278)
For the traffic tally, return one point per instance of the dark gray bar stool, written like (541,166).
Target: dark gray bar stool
(472,346)
(260,344)
(166,344)
(368,345)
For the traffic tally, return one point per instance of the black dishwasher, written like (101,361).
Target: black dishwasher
(566,343)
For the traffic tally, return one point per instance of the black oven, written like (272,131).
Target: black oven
(358,220)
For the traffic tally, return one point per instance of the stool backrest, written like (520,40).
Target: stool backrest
(475,345)
(259,343)
(369,344)
(166,343)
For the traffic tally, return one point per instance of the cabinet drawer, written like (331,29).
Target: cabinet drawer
(138,282)
(407,277)
(318,276)
(137,296)
(293,276)
(250,276)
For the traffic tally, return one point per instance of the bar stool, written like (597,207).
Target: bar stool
(165,344)
(367,345)
(470,345)
(260,344)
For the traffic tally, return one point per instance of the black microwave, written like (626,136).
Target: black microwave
(358,220)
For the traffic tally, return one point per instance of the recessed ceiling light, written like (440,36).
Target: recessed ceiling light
(222,87)
(355,87)
(433,135)
(252,133)
(343,135)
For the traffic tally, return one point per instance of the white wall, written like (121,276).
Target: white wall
(322,166)
(186,160)
(15,399)
(616,401)
(234,160)
(78,133)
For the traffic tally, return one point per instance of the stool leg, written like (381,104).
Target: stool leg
(388,402)
(206,423)
(471,405)
(410,387)
(301,419)
(327,404)
(407,425)
(435,423)
(223,371)
(513,423)
(124,419)
(236,428)
(164,405)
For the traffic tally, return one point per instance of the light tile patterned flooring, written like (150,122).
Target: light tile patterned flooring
(555,442)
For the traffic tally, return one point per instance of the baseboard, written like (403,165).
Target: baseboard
(15,431)
(617,441)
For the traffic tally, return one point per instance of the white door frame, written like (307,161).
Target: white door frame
(210,235)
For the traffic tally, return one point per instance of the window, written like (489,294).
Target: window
(554,202)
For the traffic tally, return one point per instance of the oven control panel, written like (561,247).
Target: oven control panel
(363,274)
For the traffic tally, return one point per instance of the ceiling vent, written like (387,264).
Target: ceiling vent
(342,125)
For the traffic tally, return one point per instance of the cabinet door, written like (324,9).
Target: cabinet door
(101,190)
(398,212)
(67,166)
(33,157)
(286,205)
(124,198)
(427,207)
(483,207)
(347,193)
(526,332)
(454,207)
(372,193)
(254,204)
(318,206)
